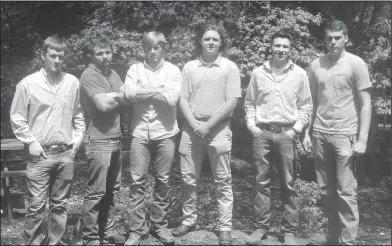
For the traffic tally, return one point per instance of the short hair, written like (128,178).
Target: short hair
(154,36)
(100,40)
(336,25)
(56,43)
(282,34)
(212,27)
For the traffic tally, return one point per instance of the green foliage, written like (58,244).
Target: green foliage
(311,217)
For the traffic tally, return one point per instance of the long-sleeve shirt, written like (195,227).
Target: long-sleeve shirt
(284,101)
(49,116)
(151,120)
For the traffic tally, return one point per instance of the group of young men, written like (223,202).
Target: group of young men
(53,113)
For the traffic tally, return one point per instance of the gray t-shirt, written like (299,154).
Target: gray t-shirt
(100,125)
(335,87)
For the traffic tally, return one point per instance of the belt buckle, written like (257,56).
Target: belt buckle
(275,128)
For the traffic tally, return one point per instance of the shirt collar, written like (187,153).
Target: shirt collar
(95,68)
(267,65)
(157,67)
(47,77)
(216,62)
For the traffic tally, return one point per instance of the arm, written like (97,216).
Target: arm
(364,121)
(19,121)
(133,91)
(172,89)
(304,104)
(187,113)
(107,102)
(307,143)
(250,106)
(78,125)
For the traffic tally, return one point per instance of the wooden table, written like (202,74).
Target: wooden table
(8,145)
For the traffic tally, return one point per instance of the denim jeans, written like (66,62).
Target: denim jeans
(161,153)
(103,180)
(218,148)
(266,146)
(48,177)
(336,177)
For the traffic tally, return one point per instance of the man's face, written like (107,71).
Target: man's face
(211,43)
(335,41)
(280,49)
(53,60)
(153,52)
(102,56)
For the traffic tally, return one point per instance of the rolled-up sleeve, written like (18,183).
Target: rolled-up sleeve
(250,101)
(19,114)
(173,87)
(130,85)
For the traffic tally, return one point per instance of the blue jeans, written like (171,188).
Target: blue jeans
(51,177)
(282,146)
(162,154)
(337,181)
(103,180)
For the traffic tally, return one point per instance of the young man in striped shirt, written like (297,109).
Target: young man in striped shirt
(278,105)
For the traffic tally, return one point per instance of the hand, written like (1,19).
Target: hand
(194,125)
(359,147)
(203,130)
(36,151)
(255,131)
(290,133)
(76,143)
(307,143)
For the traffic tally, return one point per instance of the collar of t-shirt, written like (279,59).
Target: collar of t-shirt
(95,68)
(216,62)
(47,77)
(267,66)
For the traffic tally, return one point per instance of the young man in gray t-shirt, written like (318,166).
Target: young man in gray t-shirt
(340,87)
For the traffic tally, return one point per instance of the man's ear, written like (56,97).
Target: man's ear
(345,38)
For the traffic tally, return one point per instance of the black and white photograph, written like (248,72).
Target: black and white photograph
(196,122)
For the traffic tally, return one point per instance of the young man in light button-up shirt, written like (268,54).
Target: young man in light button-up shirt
(46,115)
(153,87)
(278,105)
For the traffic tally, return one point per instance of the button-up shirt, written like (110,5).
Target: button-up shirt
(151,120)
(208,86)
(283,100)
(49,115)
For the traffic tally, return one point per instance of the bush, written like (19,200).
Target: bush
(311,217)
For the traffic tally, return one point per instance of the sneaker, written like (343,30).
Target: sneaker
(225,238)
(183,230)
(321,239)
(256,237)
(135,239)
(163,235)
(289,239)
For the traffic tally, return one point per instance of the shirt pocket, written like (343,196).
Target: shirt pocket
(342,84)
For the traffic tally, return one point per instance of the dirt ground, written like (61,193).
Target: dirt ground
(374,208)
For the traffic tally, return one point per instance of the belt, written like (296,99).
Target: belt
(275,128)
(57,148)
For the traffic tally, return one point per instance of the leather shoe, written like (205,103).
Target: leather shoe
(183,230)
(224,237)
(164,236)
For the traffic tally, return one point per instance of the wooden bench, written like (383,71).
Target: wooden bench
(8,145)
